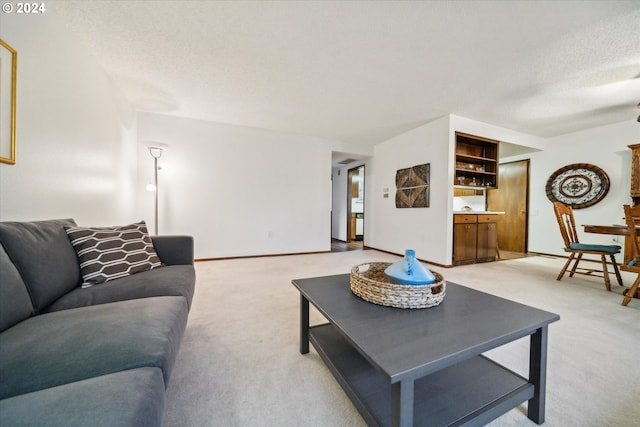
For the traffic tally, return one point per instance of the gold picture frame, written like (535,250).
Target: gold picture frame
(8,73)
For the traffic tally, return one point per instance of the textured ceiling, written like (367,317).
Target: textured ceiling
(364,71)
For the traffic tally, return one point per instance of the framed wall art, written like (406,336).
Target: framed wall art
(578,185)
(8,76)
(412,187)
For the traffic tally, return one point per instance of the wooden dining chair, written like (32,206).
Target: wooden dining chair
(632,218)
(564,215)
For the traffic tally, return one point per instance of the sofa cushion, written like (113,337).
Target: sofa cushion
(174,249)
(43,256)
(177,280)
(15,304)
(128,398)
(72,345)
(108,253)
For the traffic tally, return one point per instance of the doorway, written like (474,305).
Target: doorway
(512,198)
(355,204)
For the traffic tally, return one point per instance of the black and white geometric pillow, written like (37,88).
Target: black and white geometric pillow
(108,253)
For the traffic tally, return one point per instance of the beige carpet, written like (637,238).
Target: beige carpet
(239,363)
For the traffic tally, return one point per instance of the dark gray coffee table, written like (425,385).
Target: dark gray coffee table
(424,367)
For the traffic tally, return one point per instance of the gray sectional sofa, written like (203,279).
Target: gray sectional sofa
(100,355)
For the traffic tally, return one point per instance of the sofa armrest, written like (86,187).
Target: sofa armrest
(174,250)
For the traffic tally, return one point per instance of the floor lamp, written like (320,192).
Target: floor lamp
(156,152)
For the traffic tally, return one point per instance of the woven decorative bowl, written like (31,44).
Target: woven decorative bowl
(369,282)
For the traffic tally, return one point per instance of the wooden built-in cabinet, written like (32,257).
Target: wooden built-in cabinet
(476,161)
(465,238)
(635,173)
(475,238)
(634,192)
(487,247)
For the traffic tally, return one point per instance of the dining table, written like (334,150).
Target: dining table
(615,230)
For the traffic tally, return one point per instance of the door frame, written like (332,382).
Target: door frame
(349,171)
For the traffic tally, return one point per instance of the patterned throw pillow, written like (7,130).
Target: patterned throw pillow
(108,253)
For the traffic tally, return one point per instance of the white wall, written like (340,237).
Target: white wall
(605,147)
(75,153)
(422,229)
(474,127)
(239,191)
(427,230)
(476,203)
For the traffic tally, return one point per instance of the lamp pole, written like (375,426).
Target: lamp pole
(155,182)
(156,153)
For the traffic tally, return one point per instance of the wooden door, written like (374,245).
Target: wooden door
(353,192)
(512,198)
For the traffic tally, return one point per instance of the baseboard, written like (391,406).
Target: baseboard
(402,255)
(566,257)
(259,256)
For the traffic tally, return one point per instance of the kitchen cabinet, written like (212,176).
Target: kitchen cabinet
(475,238)
(465,234)
(487,241)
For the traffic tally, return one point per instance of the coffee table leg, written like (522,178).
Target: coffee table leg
(304,325)
(538,374)
(402,403)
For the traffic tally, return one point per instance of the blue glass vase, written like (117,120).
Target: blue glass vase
(409,271)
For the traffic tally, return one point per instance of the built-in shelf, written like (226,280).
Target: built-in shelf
(463,157)
(469,187)
(476,162)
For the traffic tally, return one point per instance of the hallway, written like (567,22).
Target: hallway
(340,246)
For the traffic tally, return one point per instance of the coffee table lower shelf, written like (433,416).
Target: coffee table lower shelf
(469,393)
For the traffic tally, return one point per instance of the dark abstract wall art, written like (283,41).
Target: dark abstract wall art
(412,187)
